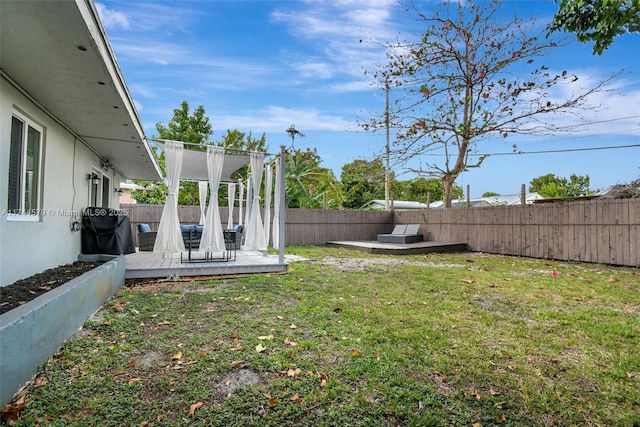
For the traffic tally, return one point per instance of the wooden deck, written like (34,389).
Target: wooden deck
(153,265)
(375,247)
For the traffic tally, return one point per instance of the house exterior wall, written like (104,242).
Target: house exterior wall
(29,247)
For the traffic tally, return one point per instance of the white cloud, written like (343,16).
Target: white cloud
(276,119)
(111,18)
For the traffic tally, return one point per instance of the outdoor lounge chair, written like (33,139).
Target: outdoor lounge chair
(402,234)
(146,237)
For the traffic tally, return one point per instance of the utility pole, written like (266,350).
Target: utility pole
(387,197)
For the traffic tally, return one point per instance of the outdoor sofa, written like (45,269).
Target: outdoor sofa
(403,233)
(191,235)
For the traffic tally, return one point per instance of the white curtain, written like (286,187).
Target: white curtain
(231,194)
(202,192)
(255,239)
(212,237)
(267,202)
(240,201)
(247,207)
(169,238)
(276,207)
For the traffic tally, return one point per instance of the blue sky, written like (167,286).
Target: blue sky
(261,66)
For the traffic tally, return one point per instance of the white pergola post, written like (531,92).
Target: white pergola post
(281,219)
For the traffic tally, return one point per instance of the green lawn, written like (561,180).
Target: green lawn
(348,339)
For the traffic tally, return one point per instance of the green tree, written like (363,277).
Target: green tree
(461,81)
(552,186)
(362,181)
(183,126)
(417,189)
(307,184)
(598,21)
(489,194)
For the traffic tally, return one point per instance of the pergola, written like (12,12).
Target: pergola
(214,166)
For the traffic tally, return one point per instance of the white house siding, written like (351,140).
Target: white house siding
(28,247)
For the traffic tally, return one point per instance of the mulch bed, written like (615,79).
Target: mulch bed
(24,290)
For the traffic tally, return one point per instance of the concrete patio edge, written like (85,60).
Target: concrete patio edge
(32,333)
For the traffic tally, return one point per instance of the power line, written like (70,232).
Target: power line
(568,150)
(598,122)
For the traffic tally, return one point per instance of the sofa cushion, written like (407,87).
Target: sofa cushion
(144,228)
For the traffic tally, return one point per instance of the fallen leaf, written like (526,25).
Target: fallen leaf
(234,336)
(296,398)
(237,347)
(237,364)
(293,372)
(273,401)
(131,363)
(160,417)
(119,372)
(177,356)
(260,348)
(502,418)
(477,425)
(323,379)
(290,343)
(293,326)
(40,381)
(555,274)
(476,393)
(266,337)
(612,280)
(355,353)
(134,380)
(469,281)
(10,411)
(493,392)
(262,412)
(143,424)
(192,408)
(631,374)
(405,352)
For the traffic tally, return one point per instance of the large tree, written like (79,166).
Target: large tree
(552,186)
(473,73)
(307,184)
(597,21)
(362,181)
(418,188)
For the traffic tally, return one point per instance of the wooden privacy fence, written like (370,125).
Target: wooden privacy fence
(598,231)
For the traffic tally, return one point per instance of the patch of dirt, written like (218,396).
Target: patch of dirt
(367,264)
(25,290)
(234,380)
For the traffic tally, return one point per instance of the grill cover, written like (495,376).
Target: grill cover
(106,231)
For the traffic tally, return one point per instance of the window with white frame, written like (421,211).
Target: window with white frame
(25,168)
(99,189)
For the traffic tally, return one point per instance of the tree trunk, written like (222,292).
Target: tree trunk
(447,184)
